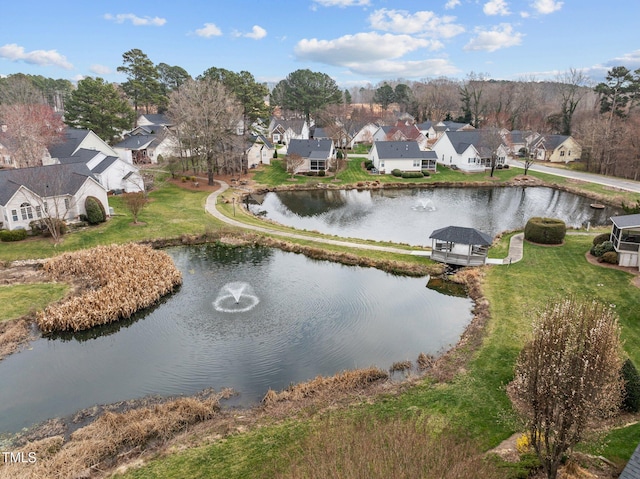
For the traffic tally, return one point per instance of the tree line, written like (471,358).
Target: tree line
(602,117)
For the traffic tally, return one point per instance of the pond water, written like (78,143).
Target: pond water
(246,318)
(411,215)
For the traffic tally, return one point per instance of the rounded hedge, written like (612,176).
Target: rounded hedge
(610,257)
(601,238)
(396,172)
(631,394)
(545,230)
(12,235)
(412,174)
(603,248)
(95,211)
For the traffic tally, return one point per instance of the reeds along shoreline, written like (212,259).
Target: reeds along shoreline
(120,280)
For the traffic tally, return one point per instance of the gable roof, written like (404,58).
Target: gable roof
(73,137)
(67,178)
(156,119)
(390,150)
(632,469)
(261,139)
(310,148)
(551,142)
(410,132)
(462,235)
(136,142)
(296,125)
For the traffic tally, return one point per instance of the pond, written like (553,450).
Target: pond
(411,215)
(246,318)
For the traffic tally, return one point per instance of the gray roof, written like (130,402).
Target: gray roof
(261,139)
(310,148)
(45,181)
(104,164)
(551,142)
(462,235)
(389,150)
(626,221)
(157,119)
(461,140)
(425,125)
(72,139)
(632,470)
(136,142)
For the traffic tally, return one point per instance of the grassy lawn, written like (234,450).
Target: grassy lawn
(171,211)
(21,299)
(475,400)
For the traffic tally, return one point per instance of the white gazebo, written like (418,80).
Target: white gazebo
(625,236)
(460,246)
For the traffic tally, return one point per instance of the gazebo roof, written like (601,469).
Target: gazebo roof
(462,235)
(626,221)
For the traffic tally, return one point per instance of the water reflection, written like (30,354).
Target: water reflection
(394,215)
(312,317)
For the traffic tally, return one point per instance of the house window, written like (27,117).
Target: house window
(382,164)
(26,212)
(276,137)
(416,163)
(14,215)
(39,211)
(562,153)
(67,204)
(569,153)
(317,165)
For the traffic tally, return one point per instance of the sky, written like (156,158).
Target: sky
(356,42)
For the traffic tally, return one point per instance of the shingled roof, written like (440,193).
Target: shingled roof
(462,235)
(389,150)
(632,470)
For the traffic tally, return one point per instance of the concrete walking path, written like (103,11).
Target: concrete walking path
(515,245)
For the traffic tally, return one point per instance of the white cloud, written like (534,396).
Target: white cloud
(136,20)
(257,33)
(14,52)
(629,60)
(499,37)
(405,69)
(545,7)
(360,48)
(451,4)
(496,7)
(100,69)
(343,3)
(209,30)
(423,22)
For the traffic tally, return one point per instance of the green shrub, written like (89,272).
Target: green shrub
(631,392)
(396,172)
(545,230)
(426,173)
(368,164)
(13,235)
(601,238)
(602,248)
(184,179)
(275,154)
(610,257)
(412,174)
(95,211)
(321,173)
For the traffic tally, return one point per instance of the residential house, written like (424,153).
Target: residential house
(283,131)
(84,146)
(401,131)
(632,469)
(518,142)
(147,144)
(5,157)
(260,151)
(432,131)
(316,153)
(556,148)
(58,190)
(153,120)
(464,150)
(362,134)
(625,236)
(387,156)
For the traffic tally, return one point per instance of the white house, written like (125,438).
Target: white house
(316,153)
(60,191)
(387,156)
(363,134)
(463,150)
(625,236)
(84,146)
(283,131)
(260,151)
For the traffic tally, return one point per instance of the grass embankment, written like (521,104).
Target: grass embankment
(22,299)
(474,401)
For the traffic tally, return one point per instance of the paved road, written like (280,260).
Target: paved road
(628,185)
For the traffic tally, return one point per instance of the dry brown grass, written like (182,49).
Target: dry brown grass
(112,436)
(12,335)
(371,448)
(120,280)
(341,382)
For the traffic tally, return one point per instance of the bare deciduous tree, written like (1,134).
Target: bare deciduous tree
(293,162)
(567,375)
(207,117)
(135,203)
(28,129)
